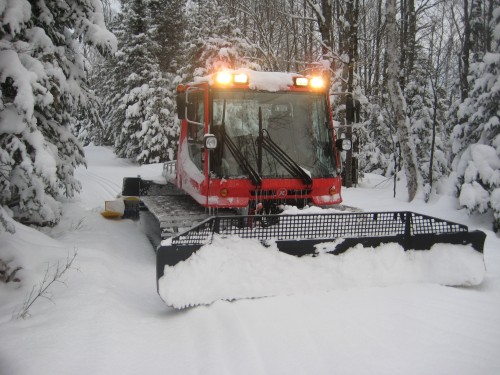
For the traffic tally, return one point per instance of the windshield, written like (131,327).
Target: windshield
(296,122)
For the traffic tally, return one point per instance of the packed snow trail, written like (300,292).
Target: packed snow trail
(108,319)
(102,179)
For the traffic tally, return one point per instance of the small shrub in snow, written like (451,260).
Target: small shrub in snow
(53,274)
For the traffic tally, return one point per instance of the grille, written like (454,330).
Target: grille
(274,193)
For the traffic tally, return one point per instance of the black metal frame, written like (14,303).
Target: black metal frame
(299,234)
(313,226)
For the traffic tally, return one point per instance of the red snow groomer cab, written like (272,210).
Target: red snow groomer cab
(256,140)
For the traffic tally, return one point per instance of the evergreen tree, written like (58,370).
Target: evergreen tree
(89,127)
(167,28)
(213,42)
(377,142)
(168,23)
(139,108)
(477,138)
(426,127)
(109,84)
(43,82)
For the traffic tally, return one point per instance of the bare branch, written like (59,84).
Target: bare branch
(53,273)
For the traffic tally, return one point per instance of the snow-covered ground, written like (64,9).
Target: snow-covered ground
(106,317)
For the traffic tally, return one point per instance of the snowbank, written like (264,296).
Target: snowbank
(234,268)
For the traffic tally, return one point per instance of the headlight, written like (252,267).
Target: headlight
(210,141)
(344,144)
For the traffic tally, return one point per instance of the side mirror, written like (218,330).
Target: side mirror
(181,104)
(344,144)
(190,114)
(193,105)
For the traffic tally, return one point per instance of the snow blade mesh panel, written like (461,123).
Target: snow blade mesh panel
(319,226)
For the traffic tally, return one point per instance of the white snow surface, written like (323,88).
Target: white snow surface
(234,268)
(107,318)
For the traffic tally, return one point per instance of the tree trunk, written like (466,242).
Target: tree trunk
(378,49)
(351,49)
(324,16)
(464,85)
(398,101)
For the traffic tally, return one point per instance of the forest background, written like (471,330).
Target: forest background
(424,75)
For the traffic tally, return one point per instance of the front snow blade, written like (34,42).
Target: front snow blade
(315,235)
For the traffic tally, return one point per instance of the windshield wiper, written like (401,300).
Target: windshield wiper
(265,142)
(237,154)
(241,160)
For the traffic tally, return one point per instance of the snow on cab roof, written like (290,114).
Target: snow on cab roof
(268,81)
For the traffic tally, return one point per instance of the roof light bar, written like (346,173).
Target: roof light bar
(315,82)
(227,78)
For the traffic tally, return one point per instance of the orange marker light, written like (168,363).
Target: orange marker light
(223,192)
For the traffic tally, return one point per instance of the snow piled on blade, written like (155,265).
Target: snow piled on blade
(235,268)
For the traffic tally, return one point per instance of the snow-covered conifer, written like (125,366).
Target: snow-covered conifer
(425,112)
(43,82)
(138,94)
(376,154)
(477,137)
(167,31)
(213,41)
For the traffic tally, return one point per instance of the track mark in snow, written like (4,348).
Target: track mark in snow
(97,189)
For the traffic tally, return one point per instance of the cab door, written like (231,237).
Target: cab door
(191,159)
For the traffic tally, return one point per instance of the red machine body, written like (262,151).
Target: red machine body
(252,166)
